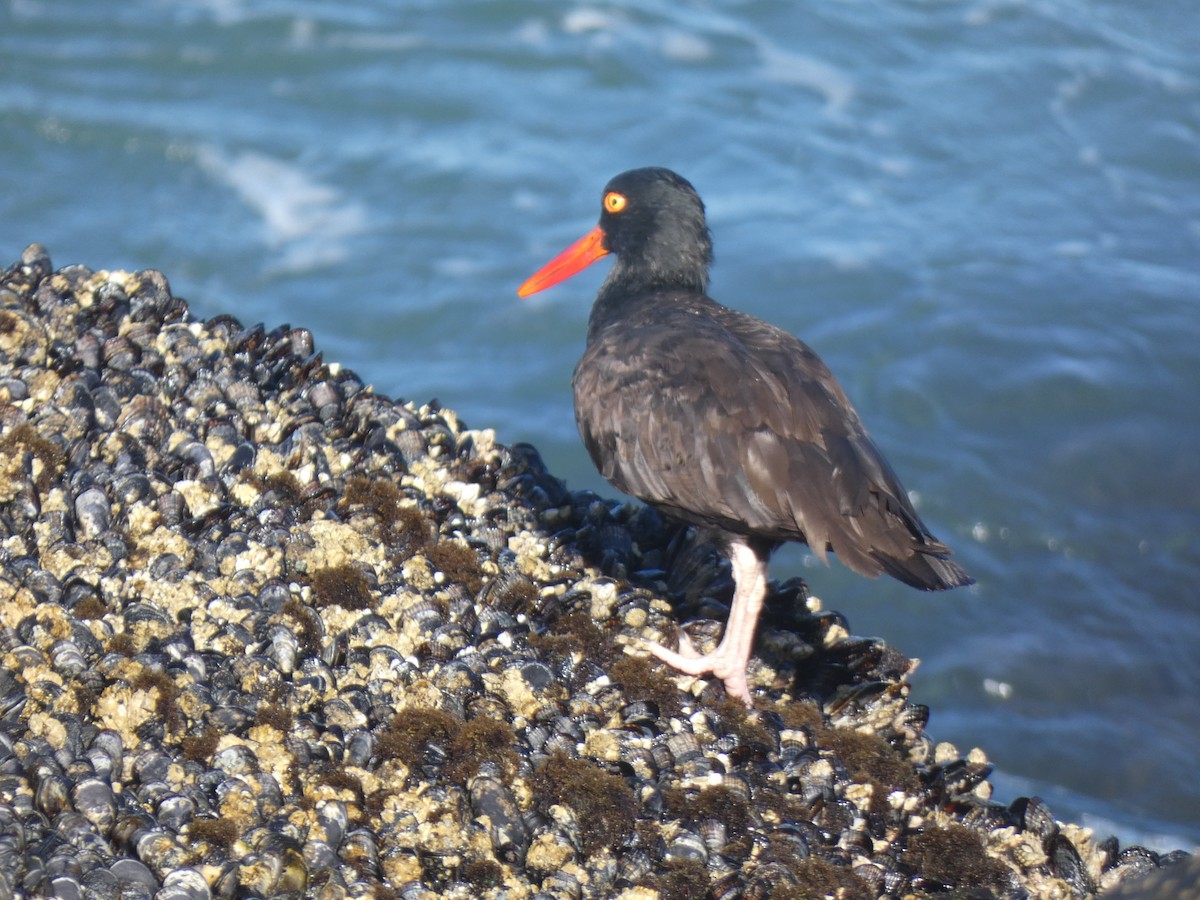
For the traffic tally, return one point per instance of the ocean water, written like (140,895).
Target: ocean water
(984,215)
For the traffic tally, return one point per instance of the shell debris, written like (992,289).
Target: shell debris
(266,632)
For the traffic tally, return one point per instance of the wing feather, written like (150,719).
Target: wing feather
(725,421)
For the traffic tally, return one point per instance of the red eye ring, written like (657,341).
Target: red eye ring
(614,202)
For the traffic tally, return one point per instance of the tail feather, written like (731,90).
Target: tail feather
(925,571)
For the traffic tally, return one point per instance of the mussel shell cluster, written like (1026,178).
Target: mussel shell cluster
(267,633)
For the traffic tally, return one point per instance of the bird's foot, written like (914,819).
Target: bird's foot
(686,648)
(720,663)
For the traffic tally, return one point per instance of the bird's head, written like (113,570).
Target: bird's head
(652,220)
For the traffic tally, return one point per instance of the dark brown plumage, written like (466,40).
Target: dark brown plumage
(724,421)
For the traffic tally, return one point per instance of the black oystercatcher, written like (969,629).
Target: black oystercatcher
(718,419)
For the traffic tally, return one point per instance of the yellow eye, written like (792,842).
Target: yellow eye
(614,202)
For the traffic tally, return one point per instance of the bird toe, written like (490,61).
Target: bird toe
(730,672)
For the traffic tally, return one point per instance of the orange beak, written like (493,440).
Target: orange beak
(579,255)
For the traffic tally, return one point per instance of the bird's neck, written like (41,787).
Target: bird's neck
(629,286)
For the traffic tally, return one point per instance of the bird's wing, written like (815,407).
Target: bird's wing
(727,421)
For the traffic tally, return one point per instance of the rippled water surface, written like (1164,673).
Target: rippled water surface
(984,215)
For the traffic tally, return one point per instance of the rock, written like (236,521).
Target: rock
(267,632)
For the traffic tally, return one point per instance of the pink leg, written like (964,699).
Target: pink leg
(728,661)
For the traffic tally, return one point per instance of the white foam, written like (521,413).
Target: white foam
(1158,840)
(1090,812)
(684,47)
(580,21)
(1002,690)
(809,73)
(1073,249)
(306,220)
(226,12)
(848,256)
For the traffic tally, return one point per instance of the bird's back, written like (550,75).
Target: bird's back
(722,420)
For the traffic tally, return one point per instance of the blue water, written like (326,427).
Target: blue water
(984,215)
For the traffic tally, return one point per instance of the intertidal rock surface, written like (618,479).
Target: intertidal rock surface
(266,633)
